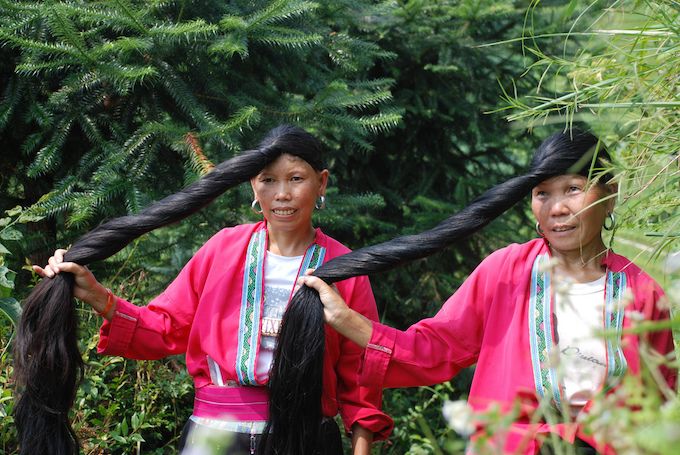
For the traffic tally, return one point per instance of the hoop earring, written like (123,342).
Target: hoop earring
(612,222)
(539,231)
(321,203)
(252,206)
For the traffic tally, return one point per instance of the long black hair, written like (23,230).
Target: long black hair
(47,364)
(299,353)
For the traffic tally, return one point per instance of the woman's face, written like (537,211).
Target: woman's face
(287,190)
(571,212)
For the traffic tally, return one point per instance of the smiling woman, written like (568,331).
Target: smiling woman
(225,311)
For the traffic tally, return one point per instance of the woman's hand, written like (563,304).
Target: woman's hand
(337,314)
(334,307)
(86,286)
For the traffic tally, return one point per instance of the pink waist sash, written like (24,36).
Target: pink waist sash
(244,404)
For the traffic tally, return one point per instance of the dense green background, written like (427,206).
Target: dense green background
(106,106)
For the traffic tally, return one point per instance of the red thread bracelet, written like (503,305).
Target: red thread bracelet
(109,303)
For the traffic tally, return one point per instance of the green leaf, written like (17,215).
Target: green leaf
(11,309)
(28,217)
(14,212)
(135,421)
(10,234)
(6,281)
(4,250)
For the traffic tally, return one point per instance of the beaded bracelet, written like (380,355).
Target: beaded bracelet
(109,303)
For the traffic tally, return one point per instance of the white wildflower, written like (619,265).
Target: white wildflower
(459,417)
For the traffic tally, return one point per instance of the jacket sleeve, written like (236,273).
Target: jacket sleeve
(657,308)
(162,327)
(434,350)
(358,403)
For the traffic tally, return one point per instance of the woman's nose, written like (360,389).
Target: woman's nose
(282,192)
(558,207)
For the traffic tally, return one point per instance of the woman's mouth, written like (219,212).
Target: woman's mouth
(563,228)
(283,212)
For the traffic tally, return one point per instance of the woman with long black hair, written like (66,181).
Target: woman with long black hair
(531,316)
(224,311)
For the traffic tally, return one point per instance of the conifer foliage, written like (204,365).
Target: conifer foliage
(106,97)
(111,104)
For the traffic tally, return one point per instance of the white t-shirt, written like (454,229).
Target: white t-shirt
(280,273)
(579,312)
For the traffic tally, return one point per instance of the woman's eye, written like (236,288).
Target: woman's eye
(296,178)
(266,180)
(574,188)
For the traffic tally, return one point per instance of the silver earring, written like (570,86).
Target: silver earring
(321,203)
(539,231)
(612,222)
(252,206)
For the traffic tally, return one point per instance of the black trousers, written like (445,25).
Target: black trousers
(228,443)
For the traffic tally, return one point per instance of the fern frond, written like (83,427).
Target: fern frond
(124,45)
(19,24)
(286,37)
(82,209)
(19,7)
(185,100)
(36,69)
(233,23)
(233,43)
(12,96)
(183,32)
(91,130)
(125,77)
(279,11)
(382,122)
(137,142)
(31,143)
(352,53)
(61,99)
(88,81)
(39,114)
(55,202)
(62,27)
(243,118)
(38,46)
(114,19)
(134,200)
(49,156)
(374,84)
(338,94)
(126,9)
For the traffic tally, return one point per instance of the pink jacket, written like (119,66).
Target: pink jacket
(205,314)
(496,320)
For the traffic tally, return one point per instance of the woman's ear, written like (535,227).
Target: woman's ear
(323,180)
(613,189)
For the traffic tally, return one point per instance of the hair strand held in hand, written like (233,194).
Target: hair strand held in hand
(48,365)
(300,350)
